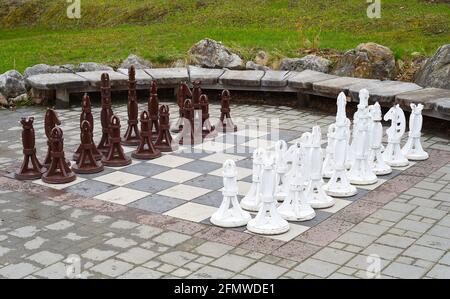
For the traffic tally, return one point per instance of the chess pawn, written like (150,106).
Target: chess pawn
(295,207)
(131,136)
(105,114)
(252,201)
(268,221)
(413,149)
(115,156)
(182,95)
(281,169)
(208,130)
(225,123)
(328,164)
(153,109)
(164,141)
(58,172)
(86,163)
(315,195)
(361,173)
(86,114)
(146,150)
(376,160)
(230,213)
(393,155)
(35,170)
(363,103)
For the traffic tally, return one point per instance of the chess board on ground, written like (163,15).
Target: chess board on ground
(187,184)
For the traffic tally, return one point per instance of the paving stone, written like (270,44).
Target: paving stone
(171,238)
(414,226)
(440,231)
(16,271)
(445,259)
(233,262)
(146,232)
(363,262)
(400,207)
(334,256)
(295,274)
(385,252)
(395,241)
(434,242)
(24,232)
(420,192)
(137,255)
(423,202)
(213,249)
(209,272)
(440,272)
(61,225)
(356,239)
(404,271)
(142,273)
(45,258)
(317,267)
(425,253)
(177,258)
(388,215)
(98,254)
(121,242)
(264,271)
(112,268)
(369,229)
(55,271)
(123,224)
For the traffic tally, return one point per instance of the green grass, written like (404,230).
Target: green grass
(162,31)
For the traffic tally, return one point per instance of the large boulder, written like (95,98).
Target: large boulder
(92,67)
(211,54)
(309,62)
(436,70)
(369,60)
(46,69)
(12,84)
(137,62)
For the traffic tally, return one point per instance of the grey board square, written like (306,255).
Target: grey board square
(200,166)
(246,163)
(106,170)
(240,150)
(213,199)
(320,216)
(157,203)
(151,185)
(192,153)
(361,193)
(90,188)
(206,181)
(282,135)
(145,169)
(395,172)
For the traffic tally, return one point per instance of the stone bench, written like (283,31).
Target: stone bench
(306,84)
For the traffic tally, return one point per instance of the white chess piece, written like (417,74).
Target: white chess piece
(361,172)
(376,160)
(252,201)
(226,215)
(363,102)
(315,195)
(328,164)
(268,221)
(295,207)
(393,153)
(413,149)
(281,168)
(338,185)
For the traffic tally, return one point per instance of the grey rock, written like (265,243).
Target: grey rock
(369,60)
(21,98)
(45,69)
(138,62)
(436,70)
(92,67)
(309,62)
(3,100)
(254,66)
(12,84)
(213,54)
(443,106)
(179,63)
(262,58)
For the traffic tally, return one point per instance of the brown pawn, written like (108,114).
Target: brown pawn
(146,150)
(187,135)
(208,130)
(86,162)
(153,109)
(131,136)
(183,93)
(58,172)
(196,94)
(164,140)
(115,156)
(106,114)
(29,153)
(225,123)
(86,114)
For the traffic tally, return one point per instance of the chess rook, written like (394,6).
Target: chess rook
(393,154)
(146,150)
(208,130)
(413,149)
(376,160)
(183,94)
(105,114)
(131,136)
(164,141)
(115,156)
(86,162)
(225,123)
(153,110)
(252,201)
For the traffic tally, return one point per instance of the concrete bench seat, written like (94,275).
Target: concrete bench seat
(143,79)
(333,87)
(57,81)
(241,78)
(117,80)
(206,76)
(168,76)
(383,92)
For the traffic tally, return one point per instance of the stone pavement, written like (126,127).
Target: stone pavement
(401,228)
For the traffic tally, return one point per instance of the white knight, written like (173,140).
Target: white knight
(413,149)
(393,154)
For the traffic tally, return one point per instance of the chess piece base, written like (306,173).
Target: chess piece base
(268,228)
(382,171)
(59,179)
(323,203)
(231,221)
(250,203)
(131,142)
(302,215)
(114,163)
(29,175)
(360,181)
(398,163)
(88,170)
(167,148)
(418,157)
(146,156)
(348,191)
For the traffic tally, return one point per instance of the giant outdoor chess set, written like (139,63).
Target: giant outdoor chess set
(250,179)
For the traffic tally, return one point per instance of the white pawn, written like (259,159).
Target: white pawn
(413,149)
(328,164)
(295,207)
(393,154)
(227,216)
(281,168)
(268,221)
(376,160)
(338,185)
(315,195)
(252,201)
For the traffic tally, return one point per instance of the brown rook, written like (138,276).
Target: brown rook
(146,150)
(164,140)
(115,156)
(86,162)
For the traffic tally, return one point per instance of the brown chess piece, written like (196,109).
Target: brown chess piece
(187,136)
(115,156)
(131,136)
(51,120)
(86,162)
(106,114)
(29,153)
(164,140)
(153,109)
(183,93)
(86,114)
(58,172)
(196,94)
(208,130)
(146,150)
(225,123)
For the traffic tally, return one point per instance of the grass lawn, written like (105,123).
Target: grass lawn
(39,31)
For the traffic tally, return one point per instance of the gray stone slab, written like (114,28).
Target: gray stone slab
(168,76)
(241,78)
(383,92)
(427,96)
(304,80)
(443,106)
(116,79)
(332,87)
(57,81)
(206,76)
(142,78)
(276,78)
